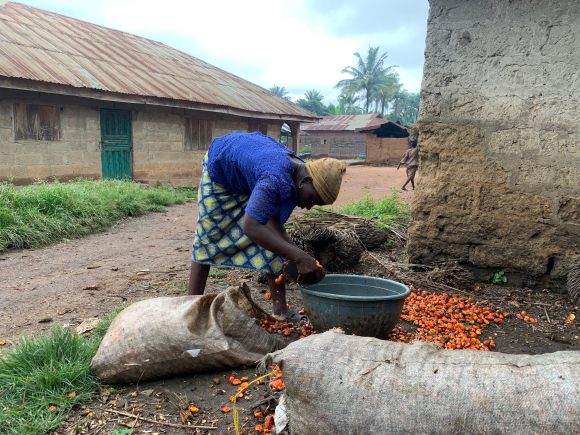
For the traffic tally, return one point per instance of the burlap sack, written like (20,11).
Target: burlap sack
(337,384)
(170,336)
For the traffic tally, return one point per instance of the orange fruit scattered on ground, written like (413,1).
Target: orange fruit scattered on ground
(268,296)
(452,322)
(193,409)
(226,409)
(73,394)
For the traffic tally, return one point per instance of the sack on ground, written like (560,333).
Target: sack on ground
(338,384)
(170,336)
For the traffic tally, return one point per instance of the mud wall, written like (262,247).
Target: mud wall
(500,141)
(158,148)
(385,149)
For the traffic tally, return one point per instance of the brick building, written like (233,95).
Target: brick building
(335,135)
(77,99)
(386,142)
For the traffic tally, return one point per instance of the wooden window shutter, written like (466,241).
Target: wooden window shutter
(36,122)
(48,123)
(262,128)
(198,134)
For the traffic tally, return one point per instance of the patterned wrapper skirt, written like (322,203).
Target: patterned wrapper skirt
(411,171)
(219,238)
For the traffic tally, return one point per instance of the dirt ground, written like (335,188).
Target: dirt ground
(82,279)
(378,181)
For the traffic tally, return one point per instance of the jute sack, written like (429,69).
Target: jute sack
(170,336)
(343,385)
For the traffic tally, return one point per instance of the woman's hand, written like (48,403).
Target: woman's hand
(308,270)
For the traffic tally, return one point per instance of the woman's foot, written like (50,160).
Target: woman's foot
(403,188)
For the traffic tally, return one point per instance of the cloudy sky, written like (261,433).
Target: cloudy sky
(298,44)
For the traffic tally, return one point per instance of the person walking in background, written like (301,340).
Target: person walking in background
(411,160)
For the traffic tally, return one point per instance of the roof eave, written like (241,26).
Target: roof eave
(97,94)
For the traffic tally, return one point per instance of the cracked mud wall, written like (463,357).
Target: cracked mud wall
(500,138)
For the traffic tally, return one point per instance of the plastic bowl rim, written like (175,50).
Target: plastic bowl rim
(403,295)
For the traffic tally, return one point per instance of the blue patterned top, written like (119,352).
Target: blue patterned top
(259,166)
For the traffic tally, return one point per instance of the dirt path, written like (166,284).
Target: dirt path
(378,181)
(51,283)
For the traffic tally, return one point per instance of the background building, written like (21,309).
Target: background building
(77,99)
(335,135)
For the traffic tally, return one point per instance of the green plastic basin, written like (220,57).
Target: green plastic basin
(360,305)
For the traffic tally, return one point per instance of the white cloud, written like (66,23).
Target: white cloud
(269,42)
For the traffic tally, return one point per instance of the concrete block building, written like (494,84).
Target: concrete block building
(386,142)
(81,100)
(335,135)
(500,138)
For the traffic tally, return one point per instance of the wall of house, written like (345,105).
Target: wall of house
(343,144)
(385,149)
(76,154)
(157,135)
(500,143)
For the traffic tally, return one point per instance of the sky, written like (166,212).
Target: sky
(297,44)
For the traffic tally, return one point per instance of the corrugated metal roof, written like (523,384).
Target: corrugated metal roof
(385,126)
(346,122)
(44,46)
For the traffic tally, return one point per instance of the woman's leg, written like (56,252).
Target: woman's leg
(278,292)
(197,278)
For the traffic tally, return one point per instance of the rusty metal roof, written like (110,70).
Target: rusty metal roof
(48,47)
(386,129)
(345,122)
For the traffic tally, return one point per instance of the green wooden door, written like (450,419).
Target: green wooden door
(116,144)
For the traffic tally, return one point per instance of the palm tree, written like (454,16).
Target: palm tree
(385,92)
(399,101)
(410,109)
(313,101)
(368,77)
(280,91)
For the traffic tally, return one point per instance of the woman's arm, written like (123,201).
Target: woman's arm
(274,238)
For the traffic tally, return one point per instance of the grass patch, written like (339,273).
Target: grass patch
(40,372)
(44,213)
(388,210)
(216,272)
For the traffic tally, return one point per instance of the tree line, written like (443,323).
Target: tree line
(370,88)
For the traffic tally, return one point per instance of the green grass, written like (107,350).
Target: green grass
(44,213)
(41,371)
(388,209)
(216,272)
